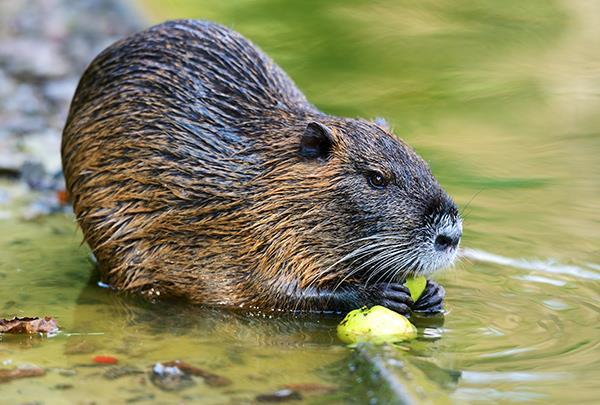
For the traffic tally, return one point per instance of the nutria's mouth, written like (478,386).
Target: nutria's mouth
(387,257)
(442,249)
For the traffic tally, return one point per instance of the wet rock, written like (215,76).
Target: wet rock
(63,386)
(67,372)
(170,378)
(21,372)
(34,174)
(280,396)
(212,379)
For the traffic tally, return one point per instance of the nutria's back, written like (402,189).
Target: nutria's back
(197,169)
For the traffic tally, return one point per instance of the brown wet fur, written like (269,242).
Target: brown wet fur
(181,159)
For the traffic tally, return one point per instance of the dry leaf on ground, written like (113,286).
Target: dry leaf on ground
(28,325)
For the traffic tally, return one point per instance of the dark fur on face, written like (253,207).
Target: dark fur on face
(198,170)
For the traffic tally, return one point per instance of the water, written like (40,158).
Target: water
(500,97)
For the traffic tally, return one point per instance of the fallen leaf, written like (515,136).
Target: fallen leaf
(28,325)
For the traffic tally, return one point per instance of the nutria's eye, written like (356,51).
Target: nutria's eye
(376,180)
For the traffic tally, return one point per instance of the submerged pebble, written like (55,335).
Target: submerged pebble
(280,396)
(212,379)
(170,378)
(63,386)
(67,372)
(21,372)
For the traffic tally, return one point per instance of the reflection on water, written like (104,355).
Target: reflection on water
(585,271)
(500,97)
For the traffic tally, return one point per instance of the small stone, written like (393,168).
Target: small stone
(280,396)
(210,378)
(63,386)
(67,372)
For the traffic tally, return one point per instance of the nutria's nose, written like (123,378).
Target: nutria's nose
(448,239)
(446,221)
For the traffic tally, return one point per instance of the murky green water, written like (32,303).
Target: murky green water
(501,97)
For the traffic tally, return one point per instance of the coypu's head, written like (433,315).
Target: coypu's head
(401,221)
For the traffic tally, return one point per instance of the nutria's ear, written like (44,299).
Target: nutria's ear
(316,141)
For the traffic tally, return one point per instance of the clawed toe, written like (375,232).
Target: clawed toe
(396,297)
(432,299)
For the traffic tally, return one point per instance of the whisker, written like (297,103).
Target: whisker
(463,210)
(385,253)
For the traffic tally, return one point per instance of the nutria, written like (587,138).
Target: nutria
(198,170)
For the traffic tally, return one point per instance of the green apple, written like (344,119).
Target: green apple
(377,325)
(416,286)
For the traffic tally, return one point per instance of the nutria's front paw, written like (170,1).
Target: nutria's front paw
(394,296)
(432,299)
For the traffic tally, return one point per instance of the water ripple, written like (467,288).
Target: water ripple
(547,266)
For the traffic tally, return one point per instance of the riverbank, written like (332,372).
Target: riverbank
(45,46)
